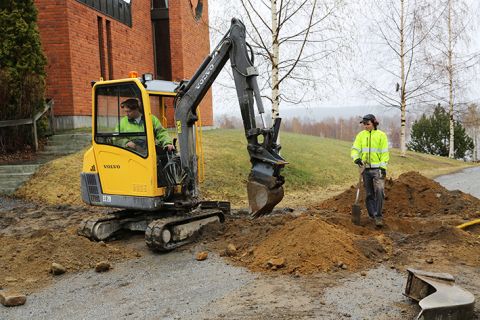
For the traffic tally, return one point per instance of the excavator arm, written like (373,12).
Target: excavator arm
(264,185)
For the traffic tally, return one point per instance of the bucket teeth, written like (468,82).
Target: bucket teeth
(262,199)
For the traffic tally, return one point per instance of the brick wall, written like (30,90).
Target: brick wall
(132,48)
(53,29)
(70,38)
(190,44)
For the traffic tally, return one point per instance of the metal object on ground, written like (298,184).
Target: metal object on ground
(468,224)
(356,211)
(438,296)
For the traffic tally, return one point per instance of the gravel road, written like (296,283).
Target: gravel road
(176,286)
(465,180)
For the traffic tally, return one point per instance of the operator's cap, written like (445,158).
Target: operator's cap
(368,117)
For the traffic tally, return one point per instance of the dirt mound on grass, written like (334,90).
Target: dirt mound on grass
(411,195)
(56,182)
(421,217)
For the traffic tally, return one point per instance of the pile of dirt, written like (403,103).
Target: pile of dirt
(34,236)
(289,244)
(420,229)
(26,260)
(421,217)
(411,195)
(307,245)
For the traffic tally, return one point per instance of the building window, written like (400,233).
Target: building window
(109,49)
(161,34)
(101,51)
(197,8)
(120,10)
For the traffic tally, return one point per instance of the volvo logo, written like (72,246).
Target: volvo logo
(111,166)
(205,76)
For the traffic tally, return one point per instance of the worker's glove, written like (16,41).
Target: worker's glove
(358,162)
(384,172)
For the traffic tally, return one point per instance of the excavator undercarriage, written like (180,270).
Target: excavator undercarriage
(164,230)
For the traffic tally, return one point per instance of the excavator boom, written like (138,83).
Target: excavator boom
(265,184)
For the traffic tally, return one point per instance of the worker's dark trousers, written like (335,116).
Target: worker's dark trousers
(374,189)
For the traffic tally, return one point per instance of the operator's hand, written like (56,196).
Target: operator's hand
(384,172)
(131,144)
(169,147)
(358,162)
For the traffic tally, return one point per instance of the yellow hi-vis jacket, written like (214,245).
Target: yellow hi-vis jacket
(162,138)
(372,148)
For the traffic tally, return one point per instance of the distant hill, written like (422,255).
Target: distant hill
(320,113)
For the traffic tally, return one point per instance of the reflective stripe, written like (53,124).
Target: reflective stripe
(377,165)
(366,150)
(356,149)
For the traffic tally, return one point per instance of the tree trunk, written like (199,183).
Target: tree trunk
(275,59)
(403,102)
(451,150)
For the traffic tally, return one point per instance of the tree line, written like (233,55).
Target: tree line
(428,133)
(330,127)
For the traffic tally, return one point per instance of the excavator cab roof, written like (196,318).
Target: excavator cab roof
(161,87)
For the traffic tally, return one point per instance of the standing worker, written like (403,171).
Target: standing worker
(370,151)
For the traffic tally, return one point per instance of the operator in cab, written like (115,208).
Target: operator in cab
(134,121)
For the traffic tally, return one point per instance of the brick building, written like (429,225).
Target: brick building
(84,40)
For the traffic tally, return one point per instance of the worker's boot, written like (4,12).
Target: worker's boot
(378,222)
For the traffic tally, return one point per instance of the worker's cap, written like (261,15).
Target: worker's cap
(131,103)
(368,117)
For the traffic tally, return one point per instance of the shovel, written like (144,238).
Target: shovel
(356,211)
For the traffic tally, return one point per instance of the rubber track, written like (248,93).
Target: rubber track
(153,234)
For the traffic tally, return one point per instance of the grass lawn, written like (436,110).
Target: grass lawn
(318,168)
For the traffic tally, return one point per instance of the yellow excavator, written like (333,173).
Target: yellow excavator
(156,190)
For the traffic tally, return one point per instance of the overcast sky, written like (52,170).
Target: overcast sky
(346,93)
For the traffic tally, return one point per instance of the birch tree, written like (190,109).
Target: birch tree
(401,30)
(296,44)
(453,59)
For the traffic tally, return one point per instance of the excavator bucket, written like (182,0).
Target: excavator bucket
(438,296)
(261,198)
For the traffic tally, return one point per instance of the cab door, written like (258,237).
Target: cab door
(123,171)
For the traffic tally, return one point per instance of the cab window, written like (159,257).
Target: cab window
(119,119)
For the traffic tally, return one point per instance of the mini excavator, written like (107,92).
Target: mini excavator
(157,191)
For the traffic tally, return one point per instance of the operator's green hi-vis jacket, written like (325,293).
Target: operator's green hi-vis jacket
(372,148)
(162,137)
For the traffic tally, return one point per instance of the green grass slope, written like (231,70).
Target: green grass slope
(318,168)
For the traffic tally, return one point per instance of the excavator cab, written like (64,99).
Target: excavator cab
(125,173)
